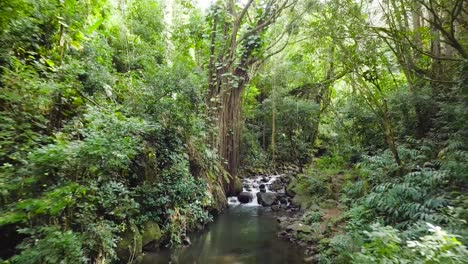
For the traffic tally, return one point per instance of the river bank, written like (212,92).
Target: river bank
(242,234)
(246,232)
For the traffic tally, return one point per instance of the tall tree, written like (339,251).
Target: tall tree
(426,37)
(237,46)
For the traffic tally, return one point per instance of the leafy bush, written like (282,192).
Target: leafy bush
(385,245)
(50,245)
(315,217)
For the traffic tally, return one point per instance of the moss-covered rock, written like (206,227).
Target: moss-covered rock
(299,228)
(151,233)
(237,186)
(130,244)
(218,198)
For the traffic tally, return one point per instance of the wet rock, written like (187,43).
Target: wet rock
(283,200)
(286,179)
(237,187)
(262,188)
(245,197)
(289,191)
(299,228)
(276,186)
(294,204)
(220,199)
(266,199)
(186,241)
(281,219)
(265,179)
(275,207)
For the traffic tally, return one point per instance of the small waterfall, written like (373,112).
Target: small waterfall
(252,185)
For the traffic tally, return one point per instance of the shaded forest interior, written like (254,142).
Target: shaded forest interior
(126,124)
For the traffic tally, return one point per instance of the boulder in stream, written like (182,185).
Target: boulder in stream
(262,188)
(277,185)
(287,179)
(282,199)
(245,197)
(267,198)
(237,187)
(186,241)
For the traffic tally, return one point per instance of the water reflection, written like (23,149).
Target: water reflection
(243,234)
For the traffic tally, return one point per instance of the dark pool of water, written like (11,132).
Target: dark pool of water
(243,234)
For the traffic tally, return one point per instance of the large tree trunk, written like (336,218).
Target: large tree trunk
(226,104)
(230,123)
(234,51)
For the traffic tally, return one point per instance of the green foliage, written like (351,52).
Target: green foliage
(105,122)
(102,126)
(52,203)
(314,185)
(385,245)
(50,245)
(401,201)
(254,155)
(315,217)
(294,122)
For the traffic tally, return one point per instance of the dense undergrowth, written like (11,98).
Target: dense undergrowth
(379,124)
(412,213)
(110,117)
(101,133)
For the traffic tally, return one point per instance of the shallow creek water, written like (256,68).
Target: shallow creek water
(245,233)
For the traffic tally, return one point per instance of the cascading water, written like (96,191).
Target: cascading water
(252,185)
(245,233)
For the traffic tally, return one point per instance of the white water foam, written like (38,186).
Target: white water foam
(252,185)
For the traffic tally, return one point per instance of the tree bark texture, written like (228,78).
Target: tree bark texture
(234,51)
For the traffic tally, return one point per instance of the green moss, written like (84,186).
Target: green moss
(151,233)
(130,244)
(237,186)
